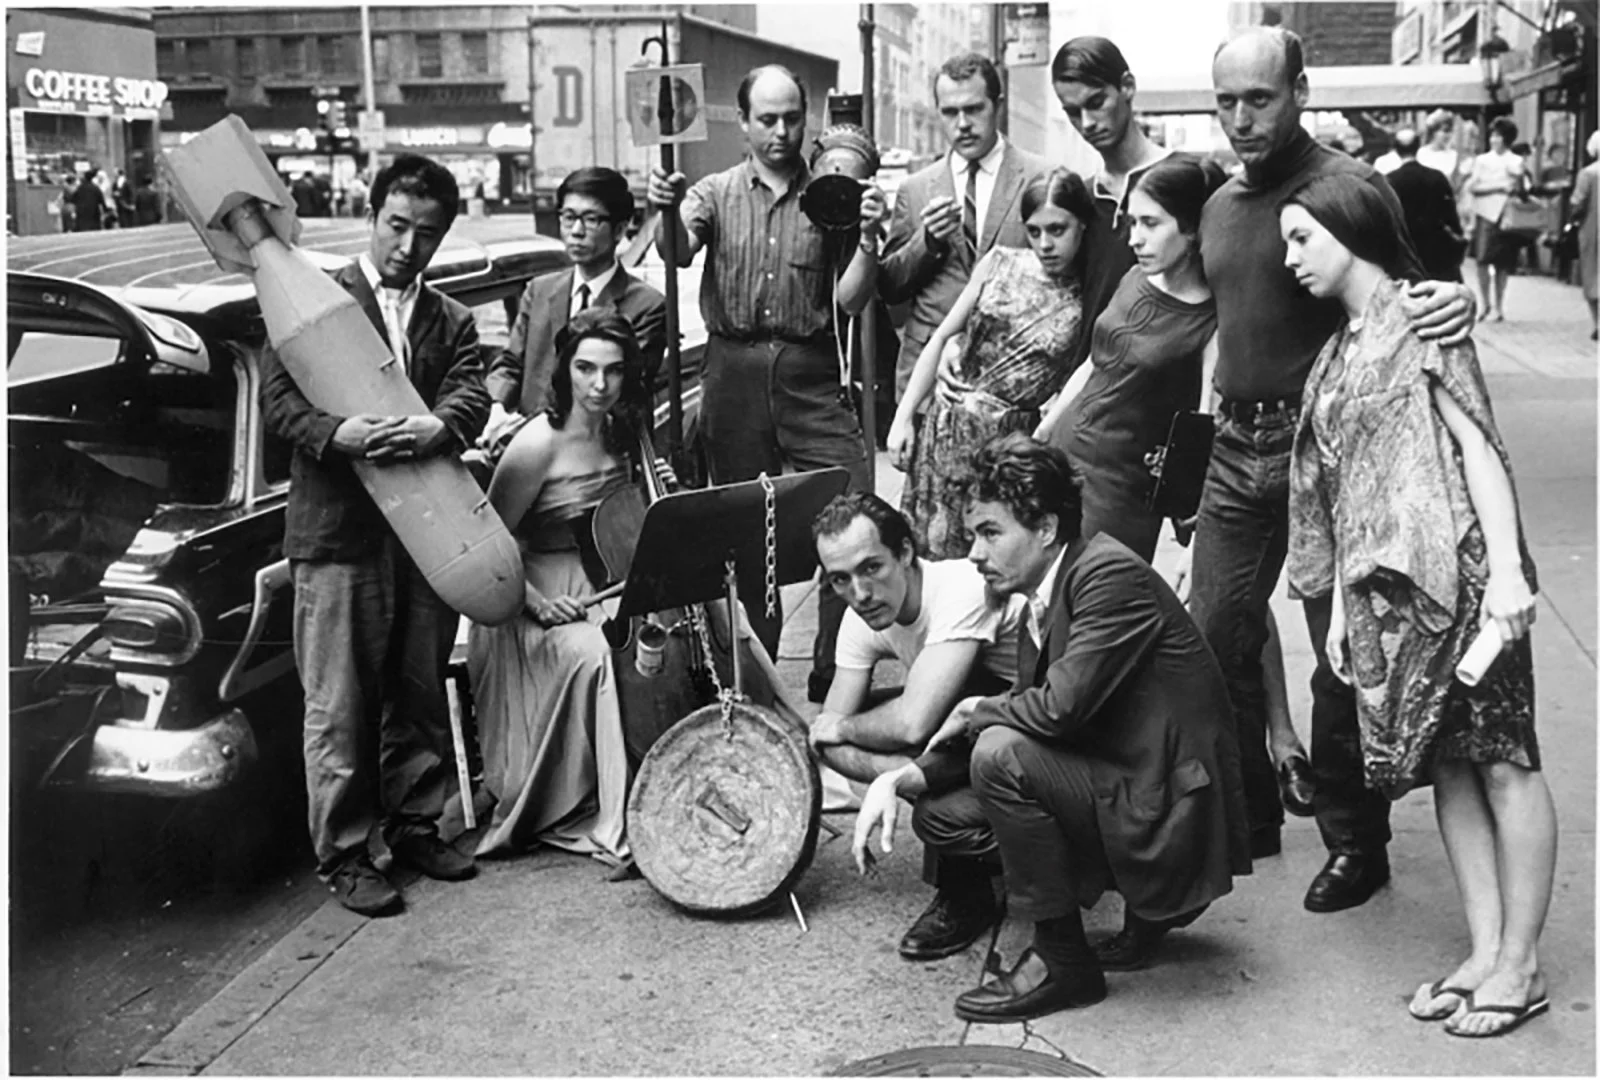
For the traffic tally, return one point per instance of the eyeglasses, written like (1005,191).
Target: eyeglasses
(591,222)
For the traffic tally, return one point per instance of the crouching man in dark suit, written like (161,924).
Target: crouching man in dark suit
(1112,764)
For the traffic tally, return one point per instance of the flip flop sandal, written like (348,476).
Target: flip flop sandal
(1520,1015)
(1435,992)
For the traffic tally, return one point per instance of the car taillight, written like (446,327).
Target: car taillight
(148,626)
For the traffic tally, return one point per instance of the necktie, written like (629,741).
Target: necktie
(581,301)
(969,207)
(390,302)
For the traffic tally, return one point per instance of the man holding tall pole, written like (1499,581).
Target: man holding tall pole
(773,390)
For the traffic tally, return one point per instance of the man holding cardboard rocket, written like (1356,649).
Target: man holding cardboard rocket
(371,636)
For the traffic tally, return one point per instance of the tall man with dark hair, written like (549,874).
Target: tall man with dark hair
(1112,765)
(1430,206)
(955,639)
(1269,331)
(771,392)
(596,207)
(948,215)
(371,638)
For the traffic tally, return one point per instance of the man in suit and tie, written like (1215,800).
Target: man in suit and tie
(948,215)
(1112,764)
(1429,203)
(596,207)
(371,638)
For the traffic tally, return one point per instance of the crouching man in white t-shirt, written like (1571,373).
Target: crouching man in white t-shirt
(955,639)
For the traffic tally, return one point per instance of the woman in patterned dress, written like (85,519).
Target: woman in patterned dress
(1021,313)
(544,691)
(1402,507)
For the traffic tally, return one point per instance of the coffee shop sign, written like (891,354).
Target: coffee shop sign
(66,90)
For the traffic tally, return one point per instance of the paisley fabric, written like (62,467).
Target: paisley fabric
(1019,340)
(1377,489)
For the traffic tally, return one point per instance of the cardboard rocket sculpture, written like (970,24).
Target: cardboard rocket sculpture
(343,366)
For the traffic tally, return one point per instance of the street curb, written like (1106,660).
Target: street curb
(204,1035)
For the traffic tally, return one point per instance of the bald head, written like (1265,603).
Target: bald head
(1259,80)
(772,113)
(1406,143)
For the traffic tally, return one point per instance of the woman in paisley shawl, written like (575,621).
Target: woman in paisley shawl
(1402,507)
(1021,313)
(544,692)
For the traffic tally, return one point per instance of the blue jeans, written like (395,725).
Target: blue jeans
(1241,539)
(371,642)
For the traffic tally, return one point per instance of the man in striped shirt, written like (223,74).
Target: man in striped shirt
(773,384)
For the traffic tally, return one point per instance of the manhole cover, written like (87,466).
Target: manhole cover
(964,1061)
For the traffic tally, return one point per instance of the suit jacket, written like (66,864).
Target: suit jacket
(1125,679)
(1429,203)
(330,514)
(519,378)
(929,278)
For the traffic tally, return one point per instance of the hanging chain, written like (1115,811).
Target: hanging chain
(725,694)
(772,545)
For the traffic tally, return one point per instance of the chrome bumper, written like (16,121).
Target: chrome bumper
(175,764)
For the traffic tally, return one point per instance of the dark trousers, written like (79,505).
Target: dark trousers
(371,641)
(1241,540)
(769,403)
(1033,804)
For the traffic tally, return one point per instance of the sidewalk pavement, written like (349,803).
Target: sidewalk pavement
(541,966)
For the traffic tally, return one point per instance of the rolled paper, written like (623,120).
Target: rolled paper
(344,367)
(1483,651)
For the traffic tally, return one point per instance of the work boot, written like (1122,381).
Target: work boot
(359,886)
(433,857)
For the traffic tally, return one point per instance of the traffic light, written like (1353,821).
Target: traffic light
(335,136)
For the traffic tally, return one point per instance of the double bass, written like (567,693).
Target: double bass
(659,664)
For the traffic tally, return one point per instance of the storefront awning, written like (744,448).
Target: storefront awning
(1552,74)
(1374,86)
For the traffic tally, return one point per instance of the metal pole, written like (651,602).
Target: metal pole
(998,30)
(533,128)
(868,326)
(669,256)
(367,83)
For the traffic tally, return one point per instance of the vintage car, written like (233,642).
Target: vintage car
(149,599)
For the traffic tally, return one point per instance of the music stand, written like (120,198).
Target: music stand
(689,537)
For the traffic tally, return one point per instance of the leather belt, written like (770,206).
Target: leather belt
(1249,412)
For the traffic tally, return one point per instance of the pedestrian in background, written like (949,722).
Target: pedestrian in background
(1586,214)
(1497,175)
(122,198)
(773,391)
(1429,205)
(358,196)
(1403,514)
(1019,316)
(88,204)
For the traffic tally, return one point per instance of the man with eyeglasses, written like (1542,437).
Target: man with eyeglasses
(596,207)
(949,215)
(773,389)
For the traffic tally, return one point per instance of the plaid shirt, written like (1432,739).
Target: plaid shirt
(767,271)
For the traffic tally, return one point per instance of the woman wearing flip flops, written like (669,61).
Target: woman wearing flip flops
(1402,506)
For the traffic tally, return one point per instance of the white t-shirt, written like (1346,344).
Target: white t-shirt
(955,607)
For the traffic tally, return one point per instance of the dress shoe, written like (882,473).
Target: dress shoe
(1266,841)
(950,925)
(433,857)
(1029,991)
(1348,880)
(359,886)
(1297,786)
(1132,947)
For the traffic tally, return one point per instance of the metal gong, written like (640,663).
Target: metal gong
(724,814)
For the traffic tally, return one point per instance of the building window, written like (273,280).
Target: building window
(330,55)
(166,58)
(244,57)
(430,61)
(475,53)
(199,56)
(292,54)
(380,57)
